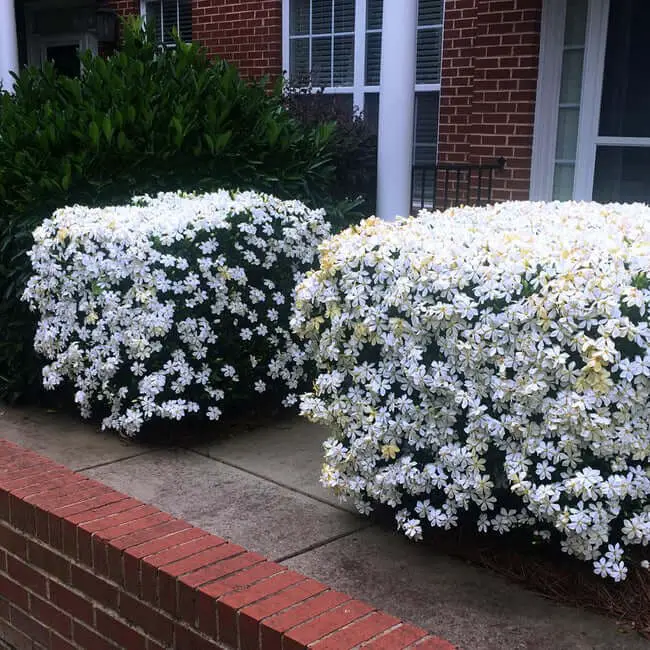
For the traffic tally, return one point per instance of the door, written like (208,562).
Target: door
(64,55)
(592,124)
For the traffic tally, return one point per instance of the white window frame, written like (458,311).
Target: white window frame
(592,90)
(359,88)
(143,14)
(83,42)
(547,99)
(548,92)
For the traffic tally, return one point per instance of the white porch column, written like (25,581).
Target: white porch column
(8,43)
(396,108)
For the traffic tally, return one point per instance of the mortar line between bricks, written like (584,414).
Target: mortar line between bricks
(271,480)
(112,462)
(325,542)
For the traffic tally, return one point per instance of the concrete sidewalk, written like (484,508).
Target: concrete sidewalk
(260,489)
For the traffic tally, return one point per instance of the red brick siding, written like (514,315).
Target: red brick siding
(123,7)
(247,33)
(83,566)
(489,76)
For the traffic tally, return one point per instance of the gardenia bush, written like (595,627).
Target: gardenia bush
(174,305)
(492,365)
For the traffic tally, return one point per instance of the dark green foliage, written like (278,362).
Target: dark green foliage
(353,143)
(145,119)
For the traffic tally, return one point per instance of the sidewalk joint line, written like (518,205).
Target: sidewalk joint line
(111,462)
(274,481)
(315,545)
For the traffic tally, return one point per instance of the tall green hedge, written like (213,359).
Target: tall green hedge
(143,120)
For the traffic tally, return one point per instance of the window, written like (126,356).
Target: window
(569,99)
(337,45)
(167,16)
(321,42)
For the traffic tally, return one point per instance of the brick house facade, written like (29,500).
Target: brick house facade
(555,87)
(488,80)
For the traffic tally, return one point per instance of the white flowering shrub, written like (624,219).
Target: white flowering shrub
(173,305)
(492,365)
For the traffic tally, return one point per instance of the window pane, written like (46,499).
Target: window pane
(563,182)
(185,20)
(342,104)
(169,19)
(374,14)
(299,60)
(65,59)
(426,128)
(299,17)
(343,60)
(321,17)
(567,133)
(569,102)
(625,109)
(371,110)
(154,17)
(576,21)
(428,56)
(343,15)
(570,87)
(373,58)
(429,12)
(321,61)
(622,174)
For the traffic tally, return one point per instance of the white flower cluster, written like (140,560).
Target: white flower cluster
(173,305)
(491,364)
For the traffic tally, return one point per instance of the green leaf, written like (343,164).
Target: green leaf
(93,132)
(107,127)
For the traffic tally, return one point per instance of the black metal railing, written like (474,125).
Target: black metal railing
(451,184)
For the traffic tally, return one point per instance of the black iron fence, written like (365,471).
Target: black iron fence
(451,184)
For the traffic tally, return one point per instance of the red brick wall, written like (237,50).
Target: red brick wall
(83,566)
(489,77)
(247,33)
(123,7)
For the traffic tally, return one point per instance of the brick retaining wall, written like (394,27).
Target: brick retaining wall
(84,566)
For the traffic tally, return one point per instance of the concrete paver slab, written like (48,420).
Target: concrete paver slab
(64,438)
(471,607)
(266,452)
(260,515)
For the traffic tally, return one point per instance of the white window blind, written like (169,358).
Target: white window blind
(321,42)
(169,15)
(429,41)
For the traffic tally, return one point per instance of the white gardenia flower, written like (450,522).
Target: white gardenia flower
(139,304)
(504,352)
